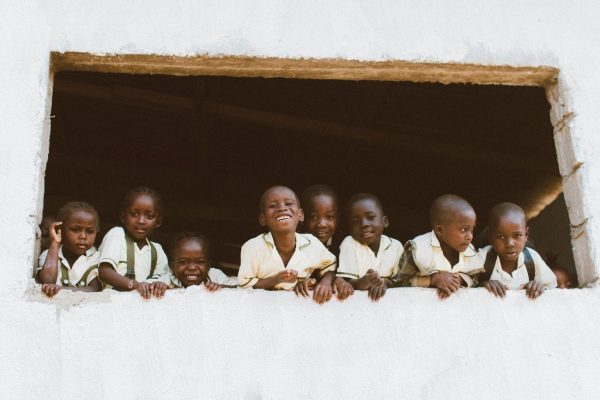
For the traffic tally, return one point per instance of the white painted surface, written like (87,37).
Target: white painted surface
(409,344)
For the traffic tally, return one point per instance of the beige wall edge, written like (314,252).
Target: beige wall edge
(305,68)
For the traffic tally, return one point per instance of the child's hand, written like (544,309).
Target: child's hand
(303,286)
(496,288)
(211,286)
(144,289)
(442,295)
(289,275)
(322,292)
(342,288)
(55,233)
(377,290)
(372,277)
(158,289)
(50,289)
(446,281)
(534,289)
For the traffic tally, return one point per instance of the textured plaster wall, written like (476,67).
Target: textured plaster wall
(261,345)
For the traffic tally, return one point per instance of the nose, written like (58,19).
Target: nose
(510,242)
(141,219)
(364,222)
(321,222)
(469,235)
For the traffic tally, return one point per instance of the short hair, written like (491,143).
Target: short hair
(183,236)
(502,210)
(318,190)
(264,194)
(443,208)
(65,211)
(143,190)
(363,196)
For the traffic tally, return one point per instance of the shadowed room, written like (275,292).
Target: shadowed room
(210,145)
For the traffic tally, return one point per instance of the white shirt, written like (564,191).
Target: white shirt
(519,276)
(260,259)
(429,258)
(357,258)
(113,251)
(214,275)
(76,272)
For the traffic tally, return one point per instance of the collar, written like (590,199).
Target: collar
(469,252)
(301,240)
(89,252)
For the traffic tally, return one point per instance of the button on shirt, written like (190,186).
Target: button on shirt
(113,250)
(357,258)
(260,259)
(519,276)
(76,272)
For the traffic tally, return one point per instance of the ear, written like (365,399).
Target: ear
(122,217)
(526,232)
(159,221)
(386,222)
(438,229)
(262,220)
(301,215)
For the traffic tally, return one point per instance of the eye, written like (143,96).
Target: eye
(501,237)
(90,231)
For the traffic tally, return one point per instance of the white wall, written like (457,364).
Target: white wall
(43,347)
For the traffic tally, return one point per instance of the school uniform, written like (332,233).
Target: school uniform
(357,258)
(214,275)
(423,257)
(260,259)
(81,273)
(520,276)
(114,251)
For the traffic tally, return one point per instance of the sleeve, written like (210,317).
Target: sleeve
(469,280)
(407,270)
(543,272)
(42,260)
(248,272)
(327,261)
(217,276)
(161,271)
(348,265)
(92,275)
(111,247)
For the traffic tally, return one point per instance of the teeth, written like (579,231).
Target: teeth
(284,218)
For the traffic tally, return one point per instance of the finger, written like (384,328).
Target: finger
(328,294)
(302,288)
(502,290)
(318,295)
(161,290)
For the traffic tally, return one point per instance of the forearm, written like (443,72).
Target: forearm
(49,272)
(360,283)
(107,274)
(328,278)
(267,283)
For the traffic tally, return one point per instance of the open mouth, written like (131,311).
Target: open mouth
(284,218)
(191,278)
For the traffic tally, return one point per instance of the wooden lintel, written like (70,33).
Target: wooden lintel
(242,66)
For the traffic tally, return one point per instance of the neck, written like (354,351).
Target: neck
(508,266)
(71,258)
(450,254)
(285,244)
(375,246)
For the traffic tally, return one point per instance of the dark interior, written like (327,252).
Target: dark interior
(211,145)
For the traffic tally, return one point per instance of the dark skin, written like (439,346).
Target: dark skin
(367,223)
(508,235)
(191,262)
(79,236)
(140,219)
(454,235)
(281,214)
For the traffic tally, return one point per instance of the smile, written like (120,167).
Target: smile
(284,218)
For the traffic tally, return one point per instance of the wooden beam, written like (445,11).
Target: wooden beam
(268,67)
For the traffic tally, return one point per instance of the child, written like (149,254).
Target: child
(508,263)
(368,258)
(128,260)
(190,261)
(321,221)
(443,258)
(563,278)
(282,258)
(71,261)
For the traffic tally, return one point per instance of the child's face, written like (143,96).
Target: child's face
(563,280)
(141,218)
(367,222)
(322,217)
(280,211)
(458,233)
(78,232)
(508,238)
(190,262)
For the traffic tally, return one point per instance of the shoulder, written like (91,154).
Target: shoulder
(484,251)
(256,244)
(115,233)
(395,245)
(422,240)
(537,258)
(158,246)
(348,242)
(306,240)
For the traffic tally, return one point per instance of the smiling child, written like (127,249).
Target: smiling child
(71,261)
(443,258)
(282,258)
(129,261)
(190,260)
(508,263)
(368,259)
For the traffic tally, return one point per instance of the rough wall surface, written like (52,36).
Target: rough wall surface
(431,350)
